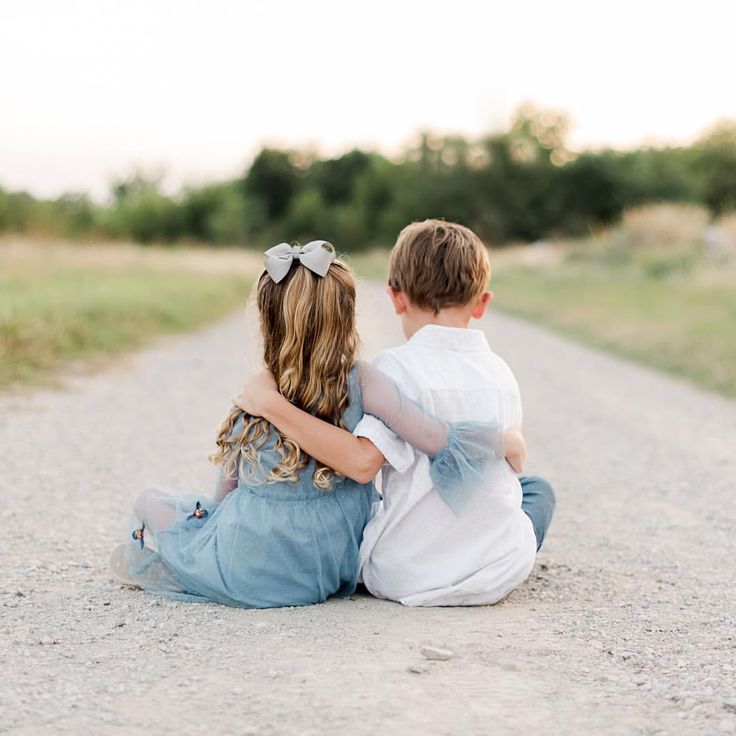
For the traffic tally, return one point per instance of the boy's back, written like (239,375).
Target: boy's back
(415,550)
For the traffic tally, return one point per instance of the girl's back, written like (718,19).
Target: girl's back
(265,544)
(282,529)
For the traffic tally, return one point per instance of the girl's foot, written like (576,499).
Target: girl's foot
(119,568)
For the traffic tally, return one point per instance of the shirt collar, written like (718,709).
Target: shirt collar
(450,338)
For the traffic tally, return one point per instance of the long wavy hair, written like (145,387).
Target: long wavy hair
(309,344)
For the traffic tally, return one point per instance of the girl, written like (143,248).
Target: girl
(282,528)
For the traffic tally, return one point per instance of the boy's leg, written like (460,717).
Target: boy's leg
(538,503)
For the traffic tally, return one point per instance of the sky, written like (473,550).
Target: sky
(94,89)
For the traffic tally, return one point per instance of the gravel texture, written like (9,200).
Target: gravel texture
(626,625)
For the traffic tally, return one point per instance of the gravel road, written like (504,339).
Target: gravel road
(626,626)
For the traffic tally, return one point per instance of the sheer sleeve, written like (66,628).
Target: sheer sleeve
(227,474)
(383,399)
(227,480)
(459,451)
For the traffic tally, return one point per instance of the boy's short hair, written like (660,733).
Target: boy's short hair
(439,264)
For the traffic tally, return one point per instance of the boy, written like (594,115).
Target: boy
(414,549)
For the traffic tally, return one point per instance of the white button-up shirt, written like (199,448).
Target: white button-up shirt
(415,550)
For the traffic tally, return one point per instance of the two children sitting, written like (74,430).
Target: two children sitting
(295,517)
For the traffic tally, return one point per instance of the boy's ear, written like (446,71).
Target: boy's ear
(398,299)
(481,305)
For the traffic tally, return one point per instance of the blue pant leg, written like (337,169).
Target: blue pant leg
(538,503)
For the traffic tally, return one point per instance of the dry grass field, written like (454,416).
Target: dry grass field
(61,302)
(660,289)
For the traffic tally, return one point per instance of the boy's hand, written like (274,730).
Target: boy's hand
(257,391)
(515,446)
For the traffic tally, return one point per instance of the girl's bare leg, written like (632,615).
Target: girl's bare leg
(156,509)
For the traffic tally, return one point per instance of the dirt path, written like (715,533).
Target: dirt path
(626,625)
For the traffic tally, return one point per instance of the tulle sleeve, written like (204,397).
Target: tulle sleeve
(227,480)
(459,452)
(228,472)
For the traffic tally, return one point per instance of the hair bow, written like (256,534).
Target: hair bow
(316,256)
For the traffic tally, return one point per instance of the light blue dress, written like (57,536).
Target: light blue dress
(263,545)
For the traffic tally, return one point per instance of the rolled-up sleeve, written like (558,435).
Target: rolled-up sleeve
(399,455)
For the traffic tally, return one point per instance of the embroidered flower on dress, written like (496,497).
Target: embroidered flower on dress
(137,534)
(199,512)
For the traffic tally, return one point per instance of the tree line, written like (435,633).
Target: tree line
(521,184)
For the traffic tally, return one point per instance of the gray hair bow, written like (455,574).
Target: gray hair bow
(316,256)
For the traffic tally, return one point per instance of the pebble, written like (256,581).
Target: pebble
(436,653)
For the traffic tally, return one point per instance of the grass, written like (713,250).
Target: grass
(682,323)
(667,308)
(372,264)
(60,303)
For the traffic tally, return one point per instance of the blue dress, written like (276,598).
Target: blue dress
(264,545)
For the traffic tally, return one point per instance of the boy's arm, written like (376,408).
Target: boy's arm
(515,448)
(354,457)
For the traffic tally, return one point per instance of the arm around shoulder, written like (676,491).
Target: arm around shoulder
(356,458)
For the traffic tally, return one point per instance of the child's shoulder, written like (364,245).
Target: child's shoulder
(393,362)
(407,364)
(499,367)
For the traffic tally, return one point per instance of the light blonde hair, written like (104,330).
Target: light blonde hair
(439,264)
(310,344)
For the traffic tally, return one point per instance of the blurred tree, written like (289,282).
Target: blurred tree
(545,129)
(226,224)
(274,180)
(520,184)
(657,174)
(77,214)
(588,192)
(16,209)
(214,213)
(141,212)
(335,178)
(308,218)
(716,162)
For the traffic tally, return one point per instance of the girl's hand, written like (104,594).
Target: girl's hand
(515,446)
(257,391)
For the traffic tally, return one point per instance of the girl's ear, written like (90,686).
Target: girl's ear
(481,305)
(398,299)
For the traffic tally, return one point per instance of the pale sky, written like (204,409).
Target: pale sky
(91,89)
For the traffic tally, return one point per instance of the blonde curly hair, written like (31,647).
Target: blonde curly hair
(310,344)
